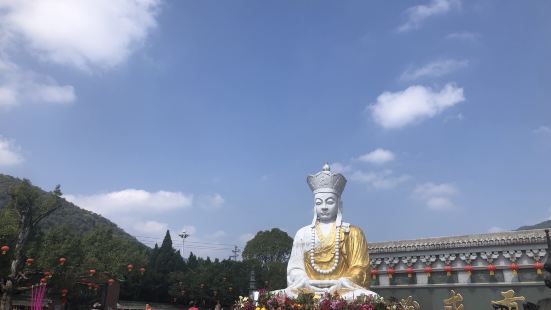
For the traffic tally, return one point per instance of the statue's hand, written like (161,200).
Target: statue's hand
(343,284)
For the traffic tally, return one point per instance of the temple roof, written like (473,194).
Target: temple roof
(506,238)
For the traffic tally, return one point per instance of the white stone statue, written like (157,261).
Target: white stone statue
(329,255)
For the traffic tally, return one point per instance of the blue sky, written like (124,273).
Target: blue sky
(209,115)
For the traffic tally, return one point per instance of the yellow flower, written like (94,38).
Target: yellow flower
(257,308)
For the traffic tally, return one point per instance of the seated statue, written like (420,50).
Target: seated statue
(329,255)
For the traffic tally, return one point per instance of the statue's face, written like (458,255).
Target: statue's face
(326,206)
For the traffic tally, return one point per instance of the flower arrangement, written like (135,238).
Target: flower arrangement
(309,301)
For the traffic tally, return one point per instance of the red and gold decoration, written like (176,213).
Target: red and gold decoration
(448,269)
(390,271)
(142,270)
(374,273)
(492,269)
(43,280)
(47,274)
(62,261)
(410,271)
(29,261)
(5,249)
(539,267)
(428,270)
(130,267)
(514,268)
(469,269)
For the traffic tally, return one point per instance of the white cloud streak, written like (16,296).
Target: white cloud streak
(416,15)
(82,34)
(402,108)
(465,35)
(378,156)
(9,153)
(18,85)
(542,130)
(380,180)
(211,202)
(436,197)
(436,68)
(132,201)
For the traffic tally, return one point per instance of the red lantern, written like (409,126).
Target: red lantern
(43,280)
(390,271)
(30,261)
(514,268)
(62,260)
(64,292)
(428,270)
(538,266)
(374,273)
(130,267)
(491,268)
(469,269)
(142,270)
(4,249)
(448,269)
(409,271)
(110,281)
(47,274)
(92,272)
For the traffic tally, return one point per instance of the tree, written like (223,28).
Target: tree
(28,207)
(273,246)
(271,249)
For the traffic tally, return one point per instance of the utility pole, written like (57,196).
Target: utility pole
(183,235)
(235,251)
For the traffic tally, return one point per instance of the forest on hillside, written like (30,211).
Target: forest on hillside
(78,254)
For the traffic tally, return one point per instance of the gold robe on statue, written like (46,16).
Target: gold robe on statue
(353,258)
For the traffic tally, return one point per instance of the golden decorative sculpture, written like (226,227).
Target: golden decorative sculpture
(409,304)
(509,300)
(453,302)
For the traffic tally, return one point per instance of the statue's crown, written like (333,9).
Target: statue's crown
(326,181)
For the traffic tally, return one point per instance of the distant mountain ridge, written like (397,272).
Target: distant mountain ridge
(75,217)
(544,224)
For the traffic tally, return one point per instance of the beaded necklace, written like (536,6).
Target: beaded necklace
(322,239)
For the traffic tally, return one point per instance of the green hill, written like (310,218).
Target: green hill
(70,215)
(544,224)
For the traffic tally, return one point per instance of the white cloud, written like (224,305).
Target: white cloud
(211,202)
(132,201)
(402,108)
(380,180)
(9,153)
(18,85)
(436,196)
(416,15)
(338,167)
(434,69)
(495,229)
(465,35)
(149,227)
(82,34)
(378,156)
(542,130)
(8,96)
